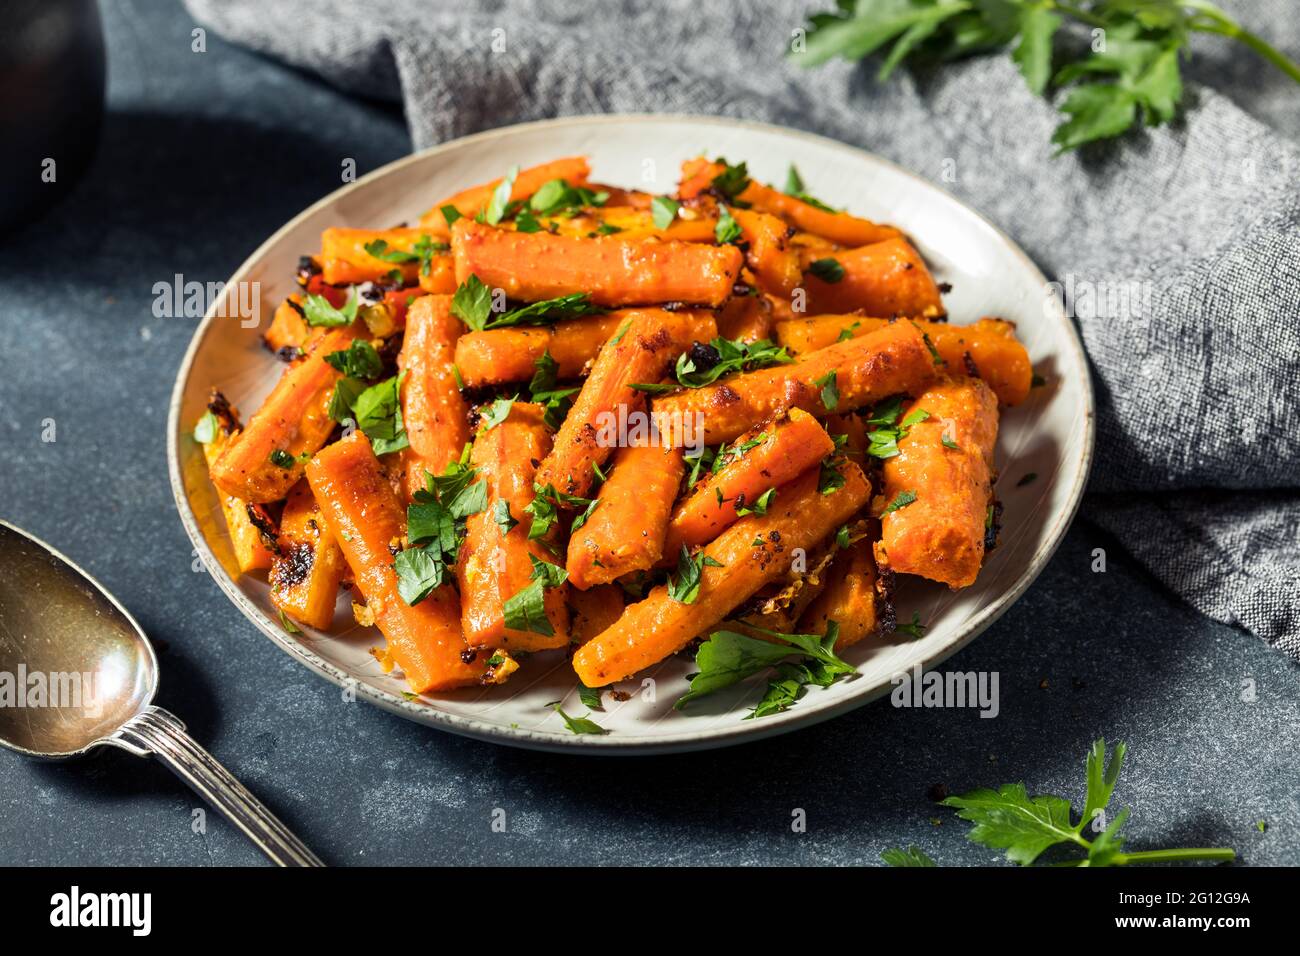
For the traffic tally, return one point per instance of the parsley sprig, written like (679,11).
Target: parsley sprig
(435,528)
(472,304)
(1129,75)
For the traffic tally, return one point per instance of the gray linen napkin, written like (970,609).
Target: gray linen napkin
(1197,366)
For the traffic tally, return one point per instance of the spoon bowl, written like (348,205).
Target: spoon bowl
(77,672)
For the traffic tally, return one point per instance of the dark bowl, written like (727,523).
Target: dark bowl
(51,101)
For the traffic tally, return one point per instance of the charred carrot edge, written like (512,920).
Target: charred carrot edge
(288,328)
(751,553)
(594,610)
(305,576)
(838,227)
(614,271)
(989,346)
(434,414)
(637,353)
(886,362)
(366,517)
(849,597)
(251,553)
(511,354)
(770,255)
(294,419)
(470,202)
(886,279)
(746,318)
(786,450)
(493,567)
(940,534)
(625,532)
(344,259)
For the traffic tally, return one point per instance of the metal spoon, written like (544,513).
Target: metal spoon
(60,630)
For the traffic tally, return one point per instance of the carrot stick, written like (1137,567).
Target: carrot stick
(511,354)
(988,346)
(752,552)
(288,328)
(774,261)
(594,610)
(849,597)
(637,353)
(854,439)
(887,279)
(294,420)
(470,202)
(494,566)
(629,223)
(747,318)
(344,259)
(251,552)
(619,196)
(366,518)
(614,271)
(441,277)
(625,533)
(890,360)
(936,497)
(838,227)
(784,450)
(305,576)
(434,413)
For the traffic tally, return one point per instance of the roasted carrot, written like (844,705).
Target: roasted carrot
(885,279)
(305,575)
(435,415)
(289,328)
(619,196)
(762,459)
(441,277)
(614,271)
(629,223)
(749,554)
(770,255)
(470,202)
(851,432)
(746,318)
(246,538)
(496,563)
(344,259)
(848,598)
(937,494)
(637,353)
(367,519)
(292,424)
(593,610)
(890,360)
(989,346)
(511,354)
(625,532)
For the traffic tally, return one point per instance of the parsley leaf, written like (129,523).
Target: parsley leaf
(379,414)
(378,249)
(472,304)
(526,609)
(909,857)
(664,210)
(733,355)
(319,313)
(358,360)
(496,207)
(727,229)
(901,500)
(419,573)
(501,515)
(207,428)
(830,391)
(578,725)
(732,181)
(828,270)
(794,188)
(759,506)
(496,413)
(684,586)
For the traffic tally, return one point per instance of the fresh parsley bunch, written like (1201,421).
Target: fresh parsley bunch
(1117,60)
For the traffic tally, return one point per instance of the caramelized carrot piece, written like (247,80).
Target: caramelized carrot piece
(838,227)
(251,552)
(751,553)
(305,576)
(770,255)
(344,259)
(441,277)
(493,567)
(289,328)
(625,533)
(848,598)
(614,271)
(890,360)
(639,352)
(746,318)
(854,432)
(434,413)
(936,497)
(294,420)
(988,347)
(784,451)
(629,223)
(886,279)
(511,354)
(366,518)
(470,202)
(594,610)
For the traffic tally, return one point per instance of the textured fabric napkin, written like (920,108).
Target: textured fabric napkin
(1179,250)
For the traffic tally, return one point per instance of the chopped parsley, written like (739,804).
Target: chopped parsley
(828,270)
(663,210)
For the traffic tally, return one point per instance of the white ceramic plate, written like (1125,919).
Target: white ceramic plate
(1050,435)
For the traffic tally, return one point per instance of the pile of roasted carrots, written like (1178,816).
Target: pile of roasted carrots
(562,416)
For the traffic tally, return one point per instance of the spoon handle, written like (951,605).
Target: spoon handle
(162,734)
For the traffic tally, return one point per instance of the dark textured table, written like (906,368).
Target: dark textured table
(203,156)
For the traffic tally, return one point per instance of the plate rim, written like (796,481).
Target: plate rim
(612,744)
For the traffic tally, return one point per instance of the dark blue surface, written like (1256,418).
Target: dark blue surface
(203,156)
